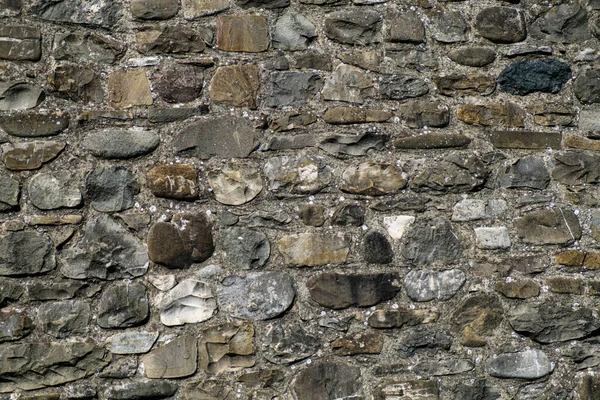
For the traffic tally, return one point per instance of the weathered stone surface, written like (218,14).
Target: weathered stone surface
(87,47)
(102,13)
(64,319)
(473,209)
(20,42)
(38,365)
(525,77)
(245,248)
(339,291)
(297,175)
(154,9)
(285,343)
(312,214)
(557,114)
(54,220)
(528,364)
(139,390)
(354,145)
(30,155)
(120,143)
(492,238)
(560,284)
(310,249)
(373,179)
(354,115)
(49,191)
(176,39)
(549,226)
(179,83)
(235,85)
(293,32)
(292,120)
(443,367)
(521,289)
(10,8)
(348,215)
(9,194)
(449,26)
(313,60)
(76,83)
(10,291)
(221,137)
(400,87)
(327,380)
(19,96)
(501,24)
(414,390)
(128,88)
(193,9)
(111,189)
(186,240)
(14,324)
(267,4)
(26,253)
(477,318)
(576,168)
(30,125)
(106,251)
(526,173)
(175,359)
(465,84)
(247,33)
(173,181)
(354,26)
(258,296)
(406,27)
(292,89)
(235,183)
(396,225)
(565,23)
(420,114)
(426,285)
(132,342)
(189,302)
(432,140)
(385,319)
(432,241)
(377,248)
(123,305)
(549,321)
(266,219)
(586,87)
(495,114)
(361,343)
(226,348)
(473,56)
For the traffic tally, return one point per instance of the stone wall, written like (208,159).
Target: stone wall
(306,199)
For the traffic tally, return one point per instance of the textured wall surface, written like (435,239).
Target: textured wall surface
(299,199)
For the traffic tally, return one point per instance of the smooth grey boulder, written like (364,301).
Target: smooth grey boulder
(120,143)
(26,253)
(528,364)
(426,285)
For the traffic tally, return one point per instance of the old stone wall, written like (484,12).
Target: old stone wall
(299,199)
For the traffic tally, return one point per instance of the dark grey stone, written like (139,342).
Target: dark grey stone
(528,364)
(528,173)
(285,343)
(449,26)
(103,13)
(174,39)
(179,83)
(26,253)
(501,24)
(377,248)
(19,42)
(19,96)
(525,77)
(353,145)
(267,4)
(106,251)
(354,26)
(473,56)
(291,88)
(423,339)
(140,390)
(123,305)
(64,319)
(399,87)
(426,285)
(87,47)
(9,194)
(430,242)
(406,27)
(15,324)
(154,9)
(268,219)
(587,87)
(245,248)
(293,32)
(327,380)
(549,226)
(456,174)
(564,23)
(121,143)
(576,168)
(30,125)
(76,83)
(111,189)
(348,215)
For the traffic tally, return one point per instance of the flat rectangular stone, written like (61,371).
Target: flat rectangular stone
(525,139)
(20,43)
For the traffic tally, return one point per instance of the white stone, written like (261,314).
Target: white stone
(492,238)
(162,282)
(397,225)
(469,210)
(189,302)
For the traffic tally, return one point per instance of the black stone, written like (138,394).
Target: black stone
(123,305)
(377,249)
(348,215)
(524,77)
(432,241)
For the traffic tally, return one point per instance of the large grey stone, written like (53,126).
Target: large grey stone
(106,251)
(406,27)
(525,77)
(576,168)
(15,324)
(549,226)
(258,296)
(297,175)
(154,9)
(29,124)
(432,241)
(501,24)
(87,47)
(103,13)
(140,390)
(132,342)
(354,26)
(64,319)
(120,144)
(111,189)
(587,86)
(191,301)
(20,42)
(26,253)
(292,89)
(76,83)
(19,96)
(327,380)
(293,32)
(123,305)
(449,26)
(175,359)
(245,248)
(30,155)
(400,87)
(285,343)
(9,194)
(528,364)
(426,285)
(456,174)
(564,23)
(223,137)
(526,173)
(349,84)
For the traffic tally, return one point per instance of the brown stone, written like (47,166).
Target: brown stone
(175,359)
(561,284)
(30,155)
(571,258)
(354,115)
(193,9)
(373,179)
(154,9)
(406,27)
(249,33)
(386,319)
(128,88)
(179,83)
(432,141)
(362,343)
(593,287)
(235,85)
(495,114)
(553,114)
(521,289)
(226,348)
(421,113)
(176,181)
(309,249)
(465,85)
(578,142)
(476,318)
(525,139)
(77,83)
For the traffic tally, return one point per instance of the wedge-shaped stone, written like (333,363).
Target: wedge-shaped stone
(120,144)
(38,365)
(309,249)
(30,155)
(26,253)
(31,125)
(373,179)
(528,364)
(189,302)
(19,96)
(20,43)
(176,359)
(550,226)
(106,251)
(426,285)
(226,348)
(340,291)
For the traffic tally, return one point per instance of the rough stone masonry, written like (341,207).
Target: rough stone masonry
(300,199)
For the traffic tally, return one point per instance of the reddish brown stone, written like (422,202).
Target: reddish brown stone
(178,181)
